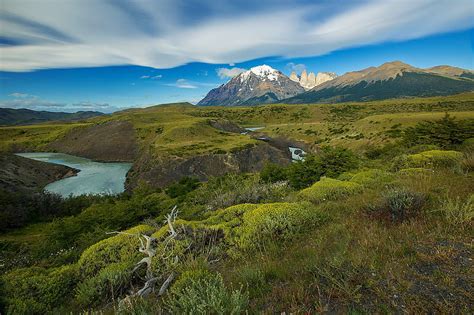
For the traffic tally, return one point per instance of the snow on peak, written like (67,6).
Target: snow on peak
(263,71)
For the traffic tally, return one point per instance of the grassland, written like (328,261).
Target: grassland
(383,233)
(183,129)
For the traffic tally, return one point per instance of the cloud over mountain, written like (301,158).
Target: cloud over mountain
(164,33)
(225,73)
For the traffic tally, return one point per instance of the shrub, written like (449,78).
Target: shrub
(372,178)
(446,132)
(182,187)
(37,290)
(236,189)
(109,283)
(330,162)
(458,212)
(202,292)
(427,159)
(276,222)
(272,173)
(398,205)
(330,189)
(118,248)
(435,158)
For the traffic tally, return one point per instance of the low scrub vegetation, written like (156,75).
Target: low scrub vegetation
(375,225)
(330,189)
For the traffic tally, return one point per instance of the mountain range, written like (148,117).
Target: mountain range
(396,79)
(10,116)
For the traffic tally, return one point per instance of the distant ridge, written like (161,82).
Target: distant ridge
(11,116)
(390,80)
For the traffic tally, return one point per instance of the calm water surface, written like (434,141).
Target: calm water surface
(93,178)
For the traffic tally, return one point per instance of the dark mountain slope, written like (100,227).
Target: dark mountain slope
(391,80)
(10,116)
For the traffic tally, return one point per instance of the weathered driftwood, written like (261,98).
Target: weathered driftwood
(147,247)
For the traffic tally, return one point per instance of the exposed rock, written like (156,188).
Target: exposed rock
(304,78)
(19,174)
(324,77)
(294,77)
(226,125)
(309,81)
(164,172)
(113,141)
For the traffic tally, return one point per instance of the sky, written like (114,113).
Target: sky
(107,55)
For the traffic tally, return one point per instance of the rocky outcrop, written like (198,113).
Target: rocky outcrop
(311,80)
(19,174)
(113,141)
(163,172)
(225,125)
(294,77)
(323,77)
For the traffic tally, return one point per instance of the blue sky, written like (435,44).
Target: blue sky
(109,55)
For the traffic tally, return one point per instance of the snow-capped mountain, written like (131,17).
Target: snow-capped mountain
(259,85)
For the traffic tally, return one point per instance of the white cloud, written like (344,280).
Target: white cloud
(183,84)
(298,68)
(21,95)
(31,103)
(161,34)
(155,77)
(225,73)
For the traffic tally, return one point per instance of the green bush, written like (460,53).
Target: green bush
(110,282)
(37,290)
(398,205)
(118,248)
(446,132)
(202,292)
(428,159)
(272,173)
(330,189)
(184,186)
(276,222)
(232,189)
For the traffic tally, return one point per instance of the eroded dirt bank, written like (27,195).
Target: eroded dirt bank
(112,141)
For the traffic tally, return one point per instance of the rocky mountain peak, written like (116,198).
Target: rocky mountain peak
(311,80)
(264,72)
(258,85)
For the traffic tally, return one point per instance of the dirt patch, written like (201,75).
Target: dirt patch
(112,141)
(19,174)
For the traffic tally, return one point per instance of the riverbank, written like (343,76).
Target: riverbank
(19,174)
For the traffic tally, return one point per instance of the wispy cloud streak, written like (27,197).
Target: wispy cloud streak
(165,33)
